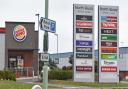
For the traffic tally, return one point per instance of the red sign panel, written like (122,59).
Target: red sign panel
(2,30)
(108,44)
(111,19)
(82,24)
(108,50)
(84,68)
(108,25)
(108,69)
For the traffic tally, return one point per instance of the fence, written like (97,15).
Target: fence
(24,72)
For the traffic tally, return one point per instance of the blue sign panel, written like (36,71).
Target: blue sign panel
(83,43)
(47,25)
(53,26)
(103,18)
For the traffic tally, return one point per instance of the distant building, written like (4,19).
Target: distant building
(62,59)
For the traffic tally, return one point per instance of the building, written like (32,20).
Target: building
(19,48)
(2,48)
(62,59)
(123,62)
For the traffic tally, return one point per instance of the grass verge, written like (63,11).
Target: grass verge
(96,84)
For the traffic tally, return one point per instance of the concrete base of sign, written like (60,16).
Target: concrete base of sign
(108,78)
(84,77)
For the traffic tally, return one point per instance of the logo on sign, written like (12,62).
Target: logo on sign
(108,69)
(109,56)
(83,43)
(109,18)
(108,63)
(108,25)
(109,44)
(83,49)
(83,18)
(81,62)
(84,68)
(108,31)
(108,37)
(83,55)
(19,33)
(84,36)
(83,30)
(80,24)
(108,50)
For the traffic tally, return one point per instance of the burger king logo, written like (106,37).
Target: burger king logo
(19,33)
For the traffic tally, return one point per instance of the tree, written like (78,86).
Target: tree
(71,58)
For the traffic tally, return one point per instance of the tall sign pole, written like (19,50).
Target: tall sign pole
(45,49)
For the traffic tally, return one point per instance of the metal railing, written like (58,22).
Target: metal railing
(24,72)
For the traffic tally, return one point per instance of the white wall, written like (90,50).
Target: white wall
(123,62)
(2,51)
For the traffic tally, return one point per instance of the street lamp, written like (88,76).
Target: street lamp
(38,15)
(57,42)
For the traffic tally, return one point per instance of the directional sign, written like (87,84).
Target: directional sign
(47,25)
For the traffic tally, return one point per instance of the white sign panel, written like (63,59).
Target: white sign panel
(83,36)
(82,62)
(83,42)
(45,57)
(108,63)
(108,44)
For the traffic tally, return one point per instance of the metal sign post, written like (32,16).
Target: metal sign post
(45,67)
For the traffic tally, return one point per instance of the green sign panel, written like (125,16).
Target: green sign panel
(108,37)
(109,56)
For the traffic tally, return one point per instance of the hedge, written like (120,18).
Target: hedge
(7,75)
(60,74)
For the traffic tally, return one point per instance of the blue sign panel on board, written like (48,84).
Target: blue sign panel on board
(83,43)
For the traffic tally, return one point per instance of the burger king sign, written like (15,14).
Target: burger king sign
(19,33)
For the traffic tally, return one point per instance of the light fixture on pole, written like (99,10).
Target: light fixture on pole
(57,41)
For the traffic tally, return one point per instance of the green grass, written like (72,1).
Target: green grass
(14,85)
(18,85)
(96,84)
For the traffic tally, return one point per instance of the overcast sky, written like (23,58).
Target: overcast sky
(62,12)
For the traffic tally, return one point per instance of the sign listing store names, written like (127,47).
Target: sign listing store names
(83,42)
(108,43)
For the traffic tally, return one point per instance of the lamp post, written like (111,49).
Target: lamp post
(57,41)
(38,15)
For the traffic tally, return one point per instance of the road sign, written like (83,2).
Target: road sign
(45,57)
(47,25)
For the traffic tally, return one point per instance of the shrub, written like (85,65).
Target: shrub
(7,75)
(60,74)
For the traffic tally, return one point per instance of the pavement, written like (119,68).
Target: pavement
(35,80)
